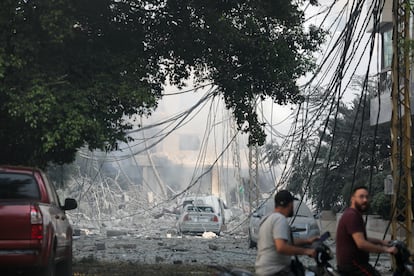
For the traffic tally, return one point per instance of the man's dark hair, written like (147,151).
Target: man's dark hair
(359,188)
(283,198)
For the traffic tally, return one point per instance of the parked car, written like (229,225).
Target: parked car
(304,221)
(35,233)
(209,200)
(199,219)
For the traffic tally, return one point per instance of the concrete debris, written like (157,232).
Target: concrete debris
(125,246)
(100,246)
(230,250)
(114,233)
(209,235)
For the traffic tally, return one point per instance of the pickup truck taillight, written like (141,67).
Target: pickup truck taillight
(215,219)
(36,220)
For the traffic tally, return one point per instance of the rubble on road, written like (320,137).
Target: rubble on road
(223,250)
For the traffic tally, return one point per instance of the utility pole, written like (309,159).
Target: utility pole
(237,166)
(254,192)
(401,124)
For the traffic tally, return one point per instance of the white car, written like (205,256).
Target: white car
(198,219)
(304,221)
(207,200)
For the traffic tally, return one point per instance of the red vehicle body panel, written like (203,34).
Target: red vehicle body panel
(17,246)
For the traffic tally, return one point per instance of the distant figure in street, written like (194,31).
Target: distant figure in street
(352,244)
(274,245)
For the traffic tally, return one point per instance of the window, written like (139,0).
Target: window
(386,49)
(206,209)
(303,210)
(18,186)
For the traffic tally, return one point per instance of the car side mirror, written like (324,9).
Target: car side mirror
(70,204)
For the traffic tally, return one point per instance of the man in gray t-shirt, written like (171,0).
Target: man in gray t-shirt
(274,245)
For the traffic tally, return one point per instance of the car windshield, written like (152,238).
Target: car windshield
(206,209)
(18,186)
(303,210)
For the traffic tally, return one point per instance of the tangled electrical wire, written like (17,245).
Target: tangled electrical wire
(349,50)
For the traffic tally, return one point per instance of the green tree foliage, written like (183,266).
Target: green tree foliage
(272,153)
(352,153)
(73,72)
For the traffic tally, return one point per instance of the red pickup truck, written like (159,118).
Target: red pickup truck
(35,234)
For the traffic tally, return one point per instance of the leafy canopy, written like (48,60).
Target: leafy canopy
(74,72)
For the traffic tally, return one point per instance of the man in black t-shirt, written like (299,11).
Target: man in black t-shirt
(352,244)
